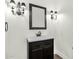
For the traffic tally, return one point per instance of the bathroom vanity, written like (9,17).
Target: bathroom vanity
(42,49)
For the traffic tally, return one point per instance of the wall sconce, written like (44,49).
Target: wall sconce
(53,14)
(12,5)
(18,8)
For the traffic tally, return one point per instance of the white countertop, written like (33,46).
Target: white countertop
(39,38)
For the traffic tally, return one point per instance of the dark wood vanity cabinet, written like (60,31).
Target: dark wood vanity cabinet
(41,49)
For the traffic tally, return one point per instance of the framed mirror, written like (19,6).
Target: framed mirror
(37,17)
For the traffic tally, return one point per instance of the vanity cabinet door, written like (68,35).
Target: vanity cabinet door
(48,53)
(37,53)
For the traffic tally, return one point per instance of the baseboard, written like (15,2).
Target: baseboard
(60,54)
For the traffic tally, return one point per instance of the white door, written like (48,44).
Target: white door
(15,36)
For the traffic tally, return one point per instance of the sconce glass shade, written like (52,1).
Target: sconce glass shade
(52,17)
(12,4)
(51,12)
(23,6)
(55,17)
(18,5)
(18,11)
(12,1)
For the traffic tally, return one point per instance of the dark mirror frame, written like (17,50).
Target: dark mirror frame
(30,17)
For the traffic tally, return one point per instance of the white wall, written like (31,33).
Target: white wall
(60,29)
(64,36)
(64,30)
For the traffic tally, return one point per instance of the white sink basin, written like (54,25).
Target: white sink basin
(39,38)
